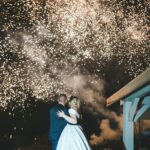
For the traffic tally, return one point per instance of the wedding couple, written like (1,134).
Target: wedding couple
(65,132)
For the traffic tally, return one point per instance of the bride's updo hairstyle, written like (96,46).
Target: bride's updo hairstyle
(74,102)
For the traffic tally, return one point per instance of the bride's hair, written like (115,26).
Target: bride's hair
(74,102)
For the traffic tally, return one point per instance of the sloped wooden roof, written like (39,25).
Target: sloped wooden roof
(129,88)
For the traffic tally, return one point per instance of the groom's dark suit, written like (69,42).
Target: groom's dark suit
(56,124)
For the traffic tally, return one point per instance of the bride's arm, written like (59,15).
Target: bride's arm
(71,119)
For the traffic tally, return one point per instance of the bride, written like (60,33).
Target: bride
(72,137)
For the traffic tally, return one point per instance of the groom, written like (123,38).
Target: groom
(57,124)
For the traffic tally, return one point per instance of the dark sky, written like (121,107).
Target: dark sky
(48,47)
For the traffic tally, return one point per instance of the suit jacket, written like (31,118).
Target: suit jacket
(57,124)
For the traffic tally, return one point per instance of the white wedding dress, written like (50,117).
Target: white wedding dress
(72,137)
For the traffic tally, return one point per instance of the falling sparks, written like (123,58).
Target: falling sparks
(43,43)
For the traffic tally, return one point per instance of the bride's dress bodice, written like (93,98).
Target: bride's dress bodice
(74,112)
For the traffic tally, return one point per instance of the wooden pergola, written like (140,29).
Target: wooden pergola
(136,105)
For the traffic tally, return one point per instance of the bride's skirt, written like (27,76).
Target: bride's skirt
(72,138)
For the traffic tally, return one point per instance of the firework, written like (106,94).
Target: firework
(43,43)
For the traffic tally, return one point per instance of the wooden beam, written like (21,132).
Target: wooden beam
(132,86)
(133,109)
(141,111)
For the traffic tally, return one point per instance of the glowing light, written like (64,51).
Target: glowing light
(46,44)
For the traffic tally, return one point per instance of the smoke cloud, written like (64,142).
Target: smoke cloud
(91,91)
(107,133)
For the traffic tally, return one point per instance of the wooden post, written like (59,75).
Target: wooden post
(128,126)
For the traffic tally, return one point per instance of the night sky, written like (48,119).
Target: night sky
(88,48)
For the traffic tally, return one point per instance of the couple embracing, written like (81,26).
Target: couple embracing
(65,131)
